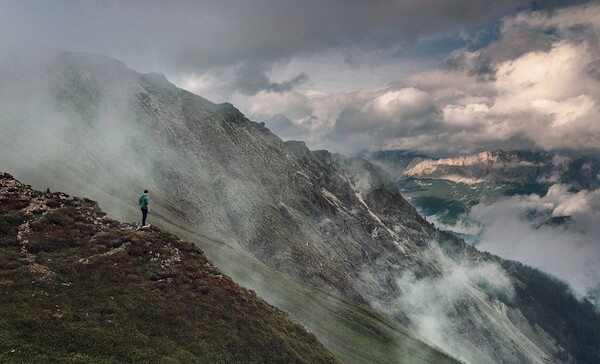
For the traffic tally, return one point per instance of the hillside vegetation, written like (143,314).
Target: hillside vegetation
(76,286)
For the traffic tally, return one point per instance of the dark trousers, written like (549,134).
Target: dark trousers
(144,214)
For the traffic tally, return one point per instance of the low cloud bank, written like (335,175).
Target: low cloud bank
(435,305)
(558,233)
(458,301)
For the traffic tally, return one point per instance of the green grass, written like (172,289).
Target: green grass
(353,332)
(448,200)
(112,294)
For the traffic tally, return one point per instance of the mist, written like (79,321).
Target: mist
(434,305)
(557,233)
(52,126)
(452,307)
(93,138)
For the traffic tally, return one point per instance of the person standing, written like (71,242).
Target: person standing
(143,201)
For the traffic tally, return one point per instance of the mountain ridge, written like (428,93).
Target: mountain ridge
(519,167)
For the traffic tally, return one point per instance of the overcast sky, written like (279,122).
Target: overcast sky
(446,76)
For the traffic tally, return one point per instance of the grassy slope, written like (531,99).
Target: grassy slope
(78,288)
(355,333)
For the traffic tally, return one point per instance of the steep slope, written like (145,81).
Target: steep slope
(94,127)
(335,223)
(79,287)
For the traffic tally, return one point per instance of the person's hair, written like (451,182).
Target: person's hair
(145,191)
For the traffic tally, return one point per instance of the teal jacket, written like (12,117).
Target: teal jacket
(144,201)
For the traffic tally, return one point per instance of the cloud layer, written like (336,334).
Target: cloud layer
(206,34)
(557,233)
(536,86)
(354,74)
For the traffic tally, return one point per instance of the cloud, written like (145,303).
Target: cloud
(532,230)
(400,104)
(473,64)
(251,79)
(534,87)
(378,117)
(434,305)
(287,129)
(201,34)
(530,81)
(541,93)
(244,37)
(39,133)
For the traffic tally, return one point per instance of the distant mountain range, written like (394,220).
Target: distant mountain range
(518,167)
(325,237)
(448,187)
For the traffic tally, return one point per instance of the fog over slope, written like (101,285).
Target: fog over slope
(537,207)
(88,124)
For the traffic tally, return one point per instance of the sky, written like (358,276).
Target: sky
(450,77)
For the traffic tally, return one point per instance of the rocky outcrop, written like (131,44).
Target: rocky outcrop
(518,167)
(483,167)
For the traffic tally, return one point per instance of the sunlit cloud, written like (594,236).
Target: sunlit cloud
(538,92)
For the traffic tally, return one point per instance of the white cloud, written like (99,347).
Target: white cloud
(465,116)
(520,228)
(399,104)
(532,87)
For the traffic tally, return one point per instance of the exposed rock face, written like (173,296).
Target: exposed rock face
(82,287)
(335,222)
(520,167)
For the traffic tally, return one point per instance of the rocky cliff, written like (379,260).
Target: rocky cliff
(518,167)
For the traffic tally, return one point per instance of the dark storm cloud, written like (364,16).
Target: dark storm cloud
(252,78)
(202,35)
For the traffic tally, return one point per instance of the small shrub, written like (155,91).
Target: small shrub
(8,204)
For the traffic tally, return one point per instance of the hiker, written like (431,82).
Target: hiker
(144,206)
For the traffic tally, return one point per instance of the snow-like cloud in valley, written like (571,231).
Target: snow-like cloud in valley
(557,233)
(536,86)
